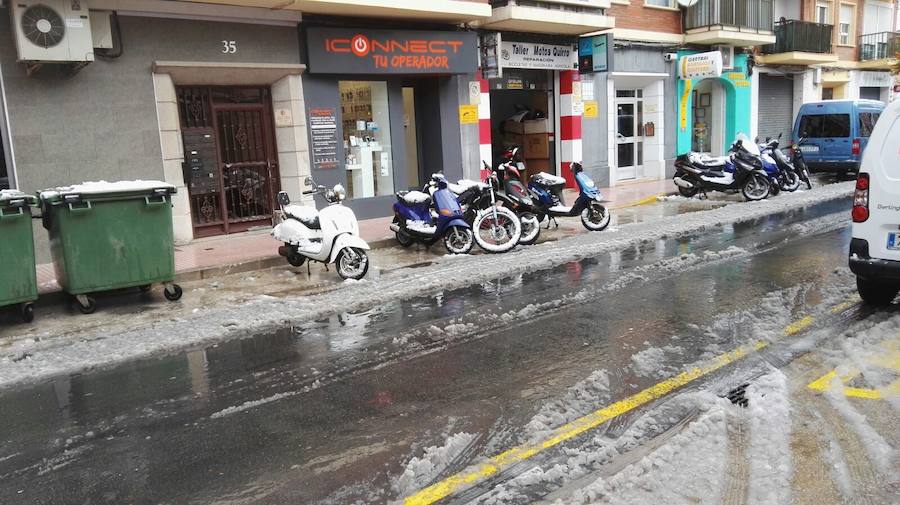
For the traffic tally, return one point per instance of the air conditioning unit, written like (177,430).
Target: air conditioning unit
(727,55)
(52,31)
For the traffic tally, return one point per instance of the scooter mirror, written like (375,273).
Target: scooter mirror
(283,198)
(308,181)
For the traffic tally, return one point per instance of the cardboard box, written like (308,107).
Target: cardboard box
(528,127)
(537,165)
(537,146)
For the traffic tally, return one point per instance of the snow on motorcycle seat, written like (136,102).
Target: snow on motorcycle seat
(545,179)
(707,160)
(413,198)
(462,186)
(309,216)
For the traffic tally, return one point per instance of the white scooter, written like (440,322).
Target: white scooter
(330,235)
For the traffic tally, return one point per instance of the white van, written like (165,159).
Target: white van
(875,247)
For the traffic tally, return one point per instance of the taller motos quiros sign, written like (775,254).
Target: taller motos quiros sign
(364,51)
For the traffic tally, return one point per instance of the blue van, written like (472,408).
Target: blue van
(836,132)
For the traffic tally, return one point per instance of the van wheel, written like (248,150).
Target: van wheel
(875,293)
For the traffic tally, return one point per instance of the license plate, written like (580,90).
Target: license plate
(809,149)
(892,243)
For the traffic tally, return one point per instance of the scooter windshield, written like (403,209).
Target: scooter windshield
(747,144)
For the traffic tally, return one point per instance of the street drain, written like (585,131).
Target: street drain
(738,396)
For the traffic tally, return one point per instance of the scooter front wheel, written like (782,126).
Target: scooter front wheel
(497,233)
(595,217)
(459,240)
(352,263)
(756,187)
(791,182)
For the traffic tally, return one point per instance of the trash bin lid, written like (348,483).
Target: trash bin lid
(15,198)
(108,190)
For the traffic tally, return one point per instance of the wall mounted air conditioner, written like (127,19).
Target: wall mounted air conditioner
(52,31)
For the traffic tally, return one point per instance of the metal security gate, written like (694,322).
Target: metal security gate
(776,107)
(869,93)
(229,149)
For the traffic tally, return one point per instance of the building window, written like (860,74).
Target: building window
(846,24)
(823,13)
(365,119)
(661,3)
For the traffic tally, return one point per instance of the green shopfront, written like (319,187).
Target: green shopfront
(714,101)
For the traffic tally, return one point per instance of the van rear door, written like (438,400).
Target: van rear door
(882,162)
(827,126)
(866,119)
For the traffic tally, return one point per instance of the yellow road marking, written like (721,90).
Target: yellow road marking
(798,326)
(455,483)
(889,359)
(643,201)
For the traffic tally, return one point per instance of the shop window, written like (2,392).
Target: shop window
(867,122)
(827,93)
(367,138)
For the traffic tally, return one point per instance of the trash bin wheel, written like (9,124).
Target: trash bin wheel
(88,308)
(145,288)
(26,311)
(173,295)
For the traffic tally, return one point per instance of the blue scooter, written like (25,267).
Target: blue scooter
(547,190)
(419,217)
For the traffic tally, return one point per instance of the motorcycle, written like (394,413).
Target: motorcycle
(547,192)
(416,221)
(742,170)
(799,163)
(497,228)
(516,196)
(330,235)
(788,178)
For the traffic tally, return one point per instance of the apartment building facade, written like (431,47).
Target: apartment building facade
(825,49)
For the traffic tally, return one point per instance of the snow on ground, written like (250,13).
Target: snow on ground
(580,399)
(421,471)
(651,362)
(34,358)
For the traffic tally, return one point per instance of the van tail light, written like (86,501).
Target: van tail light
(854,148)
(861,199)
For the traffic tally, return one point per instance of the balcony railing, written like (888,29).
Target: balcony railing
(794,35)
(878,46)
(749,14)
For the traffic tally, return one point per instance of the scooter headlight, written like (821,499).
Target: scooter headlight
(340,194)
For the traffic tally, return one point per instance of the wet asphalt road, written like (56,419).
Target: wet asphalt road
(332,411)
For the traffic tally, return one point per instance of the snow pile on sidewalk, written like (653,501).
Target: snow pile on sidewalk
(108,345)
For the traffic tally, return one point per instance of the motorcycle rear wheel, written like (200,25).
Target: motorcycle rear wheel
(531,228)
(459,240)
(688,192)
(404,239)
(500,235)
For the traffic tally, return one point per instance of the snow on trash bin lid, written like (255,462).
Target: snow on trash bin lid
(10,195)
(104,187)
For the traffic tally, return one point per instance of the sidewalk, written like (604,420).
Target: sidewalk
(256,250)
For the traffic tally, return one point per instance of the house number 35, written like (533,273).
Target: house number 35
(229,46)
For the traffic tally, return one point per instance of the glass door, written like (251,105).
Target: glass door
(629,134)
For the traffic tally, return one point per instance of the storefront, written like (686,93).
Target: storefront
(535,102)
(384,111)
(714,103)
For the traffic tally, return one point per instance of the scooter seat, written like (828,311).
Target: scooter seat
(545,179)
(309,216)
(413,198)
(462,186)
(706,160)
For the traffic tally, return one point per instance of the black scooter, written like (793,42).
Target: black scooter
(740,171)
(799,163)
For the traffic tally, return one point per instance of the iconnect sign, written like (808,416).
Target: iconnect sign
(358,51)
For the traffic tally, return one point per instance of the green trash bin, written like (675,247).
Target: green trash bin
(106,236)
(18,282)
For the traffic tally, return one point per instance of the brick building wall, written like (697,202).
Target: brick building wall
(637,16)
